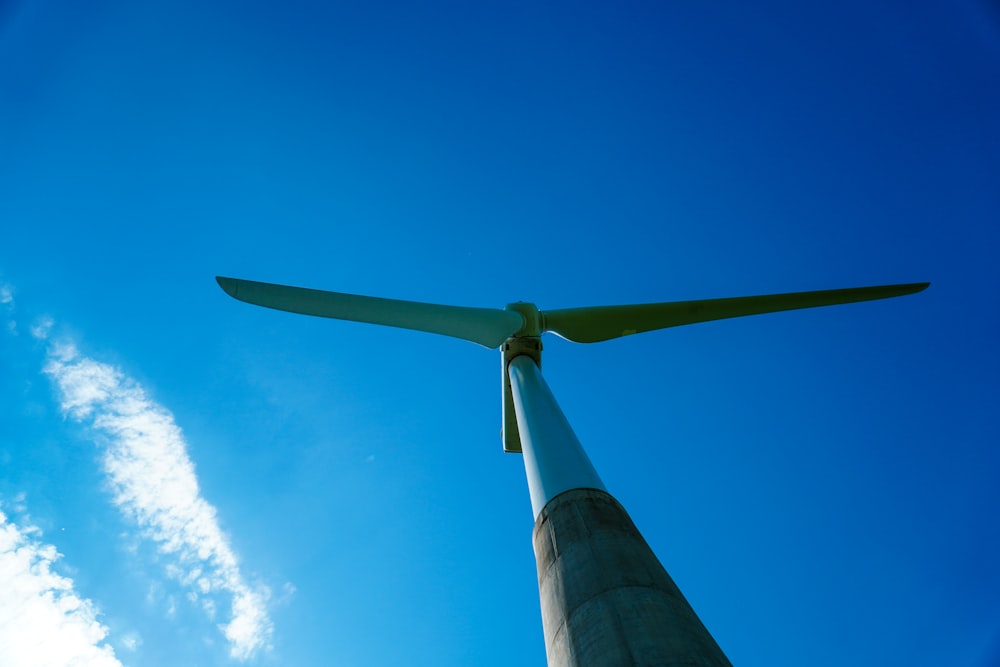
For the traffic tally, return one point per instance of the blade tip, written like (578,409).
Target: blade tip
(228,285)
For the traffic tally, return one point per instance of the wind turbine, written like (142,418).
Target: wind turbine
(606,600)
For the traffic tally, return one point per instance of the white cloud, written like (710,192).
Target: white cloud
(154,484)
(41,328)
(42,620)
(132,641)
(19,505)
(7,300)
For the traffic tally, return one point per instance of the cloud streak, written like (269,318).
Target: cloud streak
(7,301)
(42,620)
(154,485)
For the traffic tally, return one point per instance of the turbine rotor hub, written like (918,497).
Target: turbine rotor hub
(533,320)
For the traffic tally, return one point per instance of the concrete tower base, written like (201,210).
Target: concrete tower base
(606,599)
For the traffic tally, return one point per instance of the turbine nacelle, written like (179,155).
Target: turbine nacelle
(515,346)
(527,341)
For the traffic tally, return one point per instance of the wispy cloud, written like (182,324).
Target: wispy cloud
(7,301)
(154,485)
(42,620)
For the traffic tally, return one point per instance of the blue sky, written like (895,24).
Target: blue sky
(190,480)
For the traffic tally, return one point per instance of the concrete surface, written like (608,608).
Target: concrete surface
(606,599)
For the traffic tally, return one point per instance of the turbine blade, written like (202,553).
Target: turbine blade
(591,325)
(487,326)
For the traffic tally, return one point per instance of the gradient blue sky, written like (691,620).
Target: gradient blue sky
(823,485)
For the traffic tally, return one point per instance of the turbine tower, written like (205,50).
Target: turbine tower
(606,600)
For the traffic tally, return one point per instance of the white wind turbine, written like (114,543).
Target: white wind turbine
(606,599)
